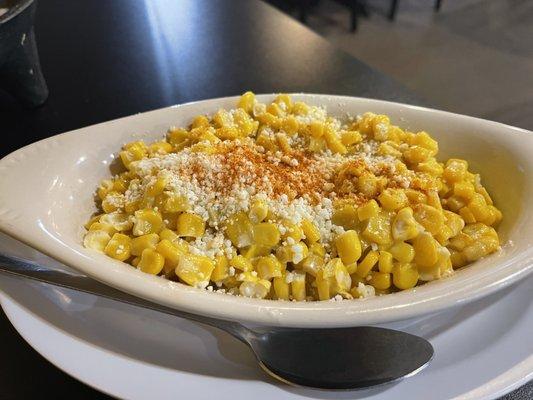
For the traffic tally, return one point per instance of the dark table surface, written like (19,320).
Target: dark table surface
(108,59)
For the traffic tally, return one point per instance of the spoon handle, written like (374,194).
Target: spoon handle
(19,267)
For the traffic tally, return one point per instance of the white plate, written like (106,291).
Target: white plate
(63,171)
(483,350)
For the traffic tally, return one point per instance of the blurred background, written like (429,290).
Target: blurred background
(470,56)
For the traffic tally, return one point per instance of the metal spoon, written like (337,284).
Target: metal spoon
(337,358)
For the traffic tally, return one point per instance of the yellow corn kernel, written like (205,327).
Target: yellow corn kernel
(290,125)
(239,230)
(424,140)
(281,288)
(380,280)
(96,240)
(119,247)
(404,225)
(266,142)
(429,217)
(266,234)
(254,251)
(454,222)
(275,109)
(426,250)
(430,166)
(147,221)
(380,127)
(385,262)
(402,252)
(316,144)
(151,262)
(342,280)
(316,129)
(247,102)
(92,220)
(388,148)
(195,270)
(221,269)
(496,215)
(156,187)
(323,284)
(171,252)
(258,288)
(160,148)
(284,100)
(443,235)
(416,154)
(404,276)
(378,229)
(481,248)
(460,241)
(311,264)
(300,108)
(393,199)
(463,189)
(269,120)
(349,138)
(455,170)
(140,243)
(415,196)
(346,216)
(246,125)
(170,235)
(333,142)
(105,187)
(241,263)
(348,247)
(283,143)
(318,249)
(369,185)
(479,208)
(467,215)
(200,121)
(112,202)
(134,151)
(298,286)
(100,226)
(311,232)
(269,267)
(190,225)
(292,253)
(457,258)
(368,210)
(258,211)
(177,137)
(176,203)
(367,264)
(292,231)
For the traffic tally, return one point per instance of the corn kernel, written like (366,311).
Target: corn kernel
(297,284)
(281,288)
(467,215)
(292,253)
(348,247)
(269,267)
(100,226)
(176,203)
(318,249)
(380,280)
(190,225)
(257,289)
(385,262)
(221,269)
(367,264)
(247,102)
(311,232)
(402,252)
(241,263)
(455,170)
(346,216)
(429,217)
(140,243)
(96,240)
(195,270)
(171,252)
(349,138)
(333,142)
(404,226)
(368,210)
(266,234)
(239,230)
(378,229)
(426,250)
(119,247)
(404,276)
(258,211)
(393,199)
(311,264)
(151,262)
(416,154)
(147,221)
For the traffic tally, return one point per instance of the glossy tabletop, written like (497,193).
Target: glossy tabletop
(107,59)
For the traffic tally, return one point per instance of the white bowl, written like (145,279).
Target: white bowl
(46,195)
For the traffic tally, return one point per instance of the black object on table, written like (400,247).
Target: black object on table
(108,59)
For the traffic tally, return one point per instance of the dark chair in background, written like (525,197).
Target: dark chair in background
(394,8)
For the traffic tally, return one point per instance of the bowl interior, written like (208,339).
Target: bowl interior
(51,187)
